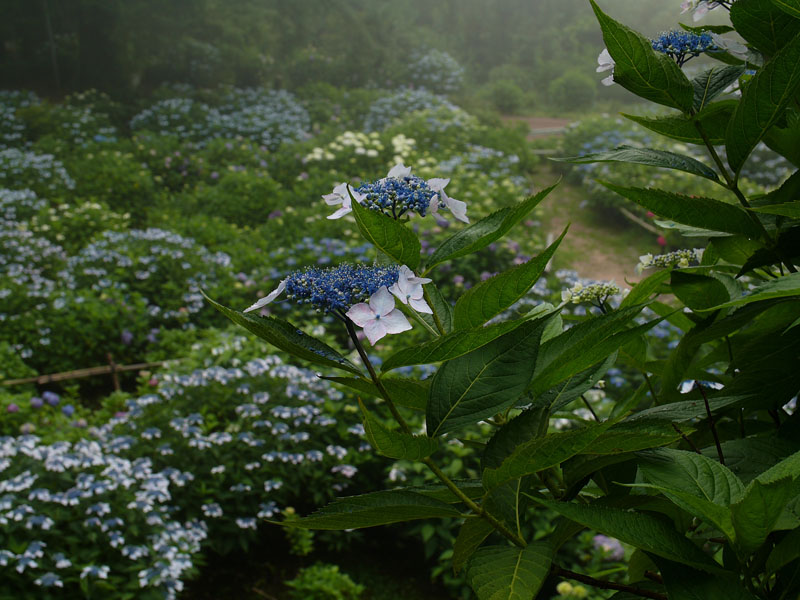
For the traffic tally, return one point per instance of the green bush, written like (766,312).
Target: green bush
(324,582)
(574,90)
(504,95)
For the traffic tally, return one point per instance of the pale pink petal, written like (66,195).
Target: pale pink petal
(397,292)
(400,171)
(607,81)
(375,330)
(361,314)
(395,322)
(268,298)
(419,305)
(381,302)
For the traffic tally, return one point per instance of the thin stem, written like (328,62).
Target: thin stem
(589,406)
(423,322)
(607,585)
(686,439)
(732,182)
(775,418)
(711,423)
(375,379)
(650,385)
(436,319)
(477,509)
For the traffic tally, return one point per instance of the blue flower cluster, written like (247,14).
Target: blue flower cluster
(384,111)
(683,45)
(398,195)
(336,289)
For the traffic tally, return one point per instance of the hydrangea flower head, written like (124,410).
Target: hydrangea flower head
(333,289)
(679,258)
(397,193)
(595,292)
(683,45)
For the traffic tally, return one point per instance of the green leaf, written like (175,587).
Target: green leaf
(542,453)
(484,232)
(783,287)
(524,427)
(783,140)
(791,7)
(755,515)
(694,482)
(396,444)
(647,156)
(763,102)
(448,346)
(472,488)
(706,213)
(471,535)
(789,209)
(639,69)
(410,393)
(509,573)
(713,120)
(698,292)
(645,288)
(711,83)
(687,410)
(652,534)
(720,29)
(692,473)
(689,584)
(762,25)
(788,467)
(631,437)
(287,337)
(572,387)
(389,236)
(377,508)
(785,551)
(750,457)
(442,309)
(490,297)
(483,382)
(586,352)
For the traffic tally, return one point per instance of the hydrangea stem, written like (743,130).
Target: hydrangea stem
(471,504)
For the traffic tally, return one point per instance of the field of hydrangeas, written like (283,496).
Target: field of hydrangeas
(112,221)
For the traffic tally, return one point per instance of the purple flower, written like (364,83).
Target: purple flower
(12,408)
(27,428)
(214,175)
(51,398)
(612,548)
(126,337)
(68,410)
(37,402)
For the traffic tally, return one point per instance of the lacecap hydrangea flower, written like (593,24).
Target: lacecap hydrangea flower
(595,292)
(397,194)
(679,258)
(361,293)
(683,45)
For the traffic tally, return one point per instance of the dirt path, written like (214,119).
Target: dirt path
(541,127)
(594,249)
